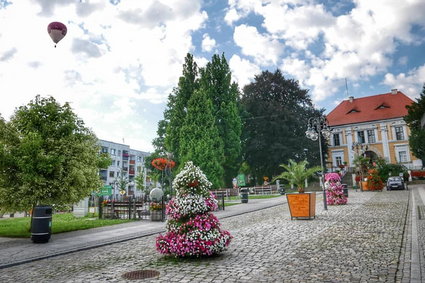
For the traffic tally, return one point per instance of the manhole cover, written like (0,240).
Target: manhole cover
(140,274)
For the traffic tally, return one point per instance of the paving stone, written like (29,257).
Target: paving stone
(363,241)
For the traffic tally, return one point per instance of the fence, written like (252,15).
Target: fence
(132,208)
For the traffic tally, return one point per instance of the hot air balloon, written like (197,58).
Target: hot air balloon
(57,31)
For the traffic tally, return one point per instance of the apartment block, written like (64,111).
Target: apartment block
(126,162)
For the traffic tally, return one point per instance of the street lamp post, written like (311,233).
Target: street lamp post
(317,126)
(360,148)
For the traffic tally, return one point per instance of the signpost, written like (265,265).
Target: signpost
(241,180)
(105,191)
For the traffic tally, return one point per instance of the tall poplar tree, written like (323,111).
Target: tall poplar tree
(216,82)
(177,106)
(199,138)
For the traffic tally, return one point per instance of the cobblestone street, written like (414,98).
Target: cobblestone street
(358,242)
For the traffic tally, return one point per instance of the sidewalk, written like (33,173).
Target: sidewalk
(18,251)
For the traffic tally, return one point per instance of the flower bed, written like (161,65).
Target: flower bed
(418,174)
(334,189)
(192,229)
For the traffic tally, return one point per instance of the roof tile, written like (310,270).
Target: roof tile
(366,109)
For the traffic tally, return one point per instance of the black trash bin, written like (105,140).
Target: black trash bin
(244,195)
(41,224)
(345,189)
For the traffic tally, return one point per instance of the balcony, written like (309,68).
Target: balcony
(132,161)
(131,172)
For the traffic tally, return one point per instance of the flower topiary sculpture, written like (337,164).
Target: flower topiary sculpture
(192,228)
(334,189)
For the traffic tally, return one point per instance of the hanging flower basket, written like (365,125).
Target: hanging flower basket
(162,163)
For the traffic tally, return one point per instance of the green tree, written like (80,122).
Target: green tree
(413,120)
(122,181)
(140,181)
(159,142)
(199,139)
(275,116)
(175,113)
(297,173)
(47,156)
(216,82)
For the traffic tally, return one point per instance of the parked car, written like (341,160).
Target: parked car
(395,183)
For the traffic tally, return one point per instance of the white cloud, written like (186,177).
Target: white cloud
(232,16)
(410,83)
(208,43)
(107,66)
(357,44)
(243,71)
(263,48)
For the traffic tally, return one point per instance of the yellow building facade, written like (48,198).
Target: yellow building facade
(388,139)
(371,126)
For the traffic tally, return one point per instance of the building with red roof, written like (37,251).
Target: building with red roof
(372,126)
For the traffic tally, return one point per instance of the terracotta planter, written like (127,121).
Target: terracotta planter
(365,187)
(302,205)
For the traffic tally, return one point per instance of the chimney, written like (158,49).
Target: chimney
(394,91)
(351,99)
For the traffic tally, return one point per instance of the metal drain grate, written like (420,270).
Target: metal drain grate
(421,212)
(140,274)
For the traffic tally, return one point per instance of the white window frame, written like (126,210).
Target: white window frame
(339,137)
(364,136)
(402,148)
(336,154)
(402,131)
(374,135)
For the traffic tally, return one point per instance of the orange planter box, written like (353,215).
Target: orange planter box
(302,206)
(365,186)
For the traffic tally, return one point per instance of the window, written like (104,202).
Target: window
(360,137)
(104,149)
(402,153)
(399,135)
(111,174)
(119,152)
(113,151)
(371,136)
(118,163)
(402,156)
(336,140)
(139,169)
(139,159)
(338,160)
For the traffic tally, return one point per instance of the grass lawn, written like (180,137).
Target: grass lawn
(231,203)
(253,197)
(66,222)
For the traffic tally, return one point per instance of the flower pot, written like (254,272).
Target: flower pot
(365,187)
(156,215)
(302,205)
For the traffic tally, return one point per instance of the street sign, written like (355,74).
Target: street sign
(105,191)
(241,180)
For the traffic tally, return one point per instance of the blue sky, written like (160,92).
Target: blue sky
(121,58)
